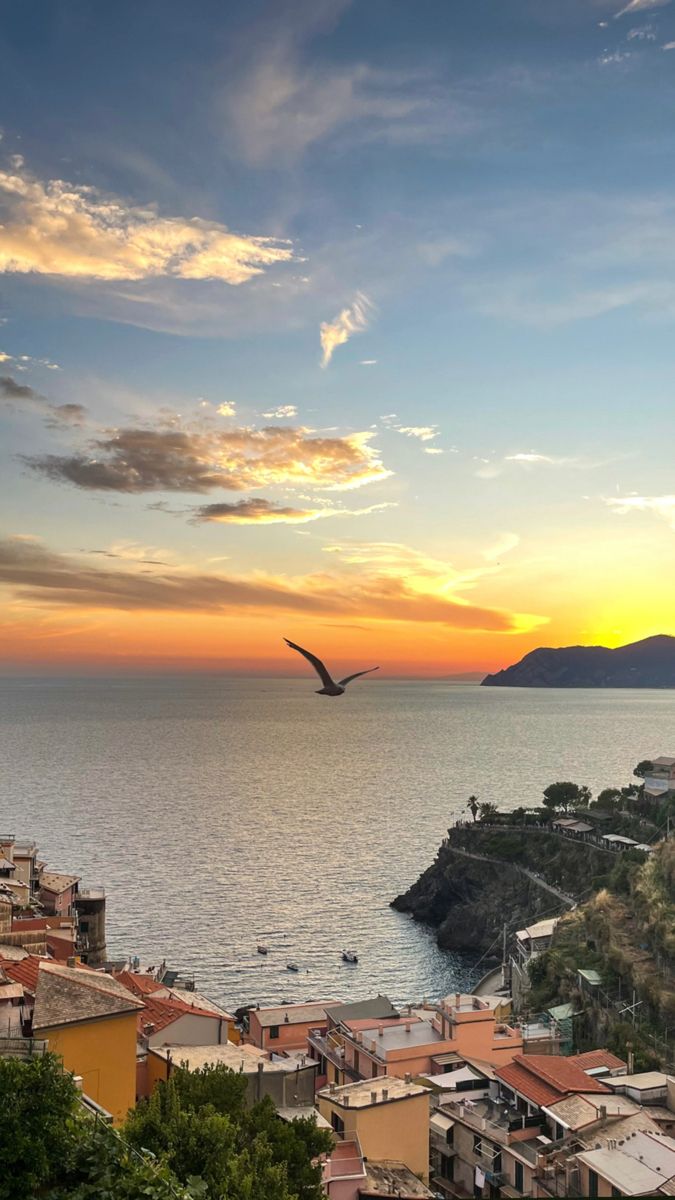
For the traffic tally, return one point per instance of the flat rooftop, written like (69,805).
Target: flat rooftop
(397,1037)
(293,1014)
(360,1095)
(237,1058)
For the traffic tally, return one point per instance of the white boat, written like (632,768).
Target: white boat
(350,956)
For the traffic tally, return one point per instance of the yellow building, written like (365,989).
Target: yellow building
(389,1116)
(89,1020)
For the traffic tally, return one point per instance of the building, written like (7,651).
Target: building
(659,782)
(89,1020)
(290,1082)
(389,1118)
(642,1164)
(528,943)
(57,892)
(424,1041)
(285,1026)
(495,1144)
(89,906)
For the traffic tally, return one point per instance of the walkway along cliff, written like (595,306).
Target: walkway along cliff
(485,876)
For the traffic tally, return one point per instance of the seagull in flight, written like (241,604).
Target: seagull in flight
(330,687)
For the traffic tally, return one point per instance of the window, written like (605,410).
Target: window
(337,1122)
(84,926)
(592,1185)
(274,1031)
(497,1162)
(476,1144)
(518,1182)
(447,1168)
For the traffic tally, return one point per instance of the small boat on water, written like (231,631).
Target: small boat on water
(292,967)
(263,949)
(350,956)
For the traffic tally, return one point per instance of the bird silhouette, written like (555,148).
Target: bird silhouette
(330,687)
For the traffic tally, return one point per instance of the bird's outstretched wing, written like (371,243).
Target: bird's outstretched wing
(316,663)
(344,682)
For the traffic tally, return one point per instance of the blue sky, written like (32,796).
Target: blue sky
(455,233)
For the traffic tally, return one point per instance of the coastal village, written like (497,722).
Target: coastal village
(485,1094)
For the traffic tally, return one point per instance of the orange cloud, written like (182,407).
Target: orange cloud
(38,577)
(63,229)
(142,460)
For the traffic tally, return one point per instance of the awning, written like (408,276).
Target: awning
(441,1124)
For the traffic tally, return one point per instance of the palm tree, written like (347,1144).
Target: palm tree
(473,805)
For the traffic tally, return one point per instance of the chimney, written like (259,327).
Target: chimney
(373,1097)
(345,1099)
(408,1077)
(407,1026)
(603,1112)
(71,962)
(457,999)
(380,1031)
(385,1093)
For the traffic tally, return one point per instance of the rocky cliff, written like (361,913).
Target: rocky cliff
(649,663)
(480,880)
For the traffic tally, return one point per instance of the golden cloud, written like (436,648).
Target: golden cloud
(37,577)
(353,319)
(258,511)
(58,228)
(178,460)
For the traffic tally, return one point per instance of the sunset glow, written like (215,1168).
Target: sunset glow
(374,356)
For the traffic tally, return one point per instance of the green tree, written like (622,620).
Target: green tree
(37,1125)
(566,795)
(644,768)
(473,805)
(488,811)
(198,1124)
(610,799)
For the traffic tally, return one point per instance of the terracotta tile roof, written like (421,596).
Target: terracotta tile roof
(561,1073)
(597,1058)
(163,1011)
(527,1084)
(140,985)
(24,972)
(545,1078)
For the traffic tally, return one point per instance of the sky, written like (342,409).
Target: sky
(348,322)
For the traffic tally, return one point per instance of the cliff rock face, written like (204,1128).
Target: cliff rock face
(469,899)
(650,663)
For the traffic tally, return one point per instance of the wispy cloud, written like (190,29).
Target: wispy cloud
(505,543)
(659,506)
(353,319)
(21,362)
(423,433)
(668,46)
(282,412)
(641,6)
(137,460)
(63,229)
(368,362)
(18,395)
(257,511)
(36,577)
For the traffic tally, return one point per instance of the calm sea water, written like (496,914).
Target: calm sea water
(222,812)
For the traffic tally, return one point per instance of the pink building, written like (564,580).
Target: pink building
(57,892)
(285,1027)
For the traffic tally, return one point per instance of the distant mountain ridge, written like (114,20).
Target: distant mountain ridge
(646,664)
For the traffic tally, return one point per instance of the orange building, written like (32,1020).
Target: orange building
(421,1042)
(285,1027)
(89,1020)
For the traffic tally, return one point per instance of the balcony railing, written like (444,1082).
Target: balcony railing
(90,893)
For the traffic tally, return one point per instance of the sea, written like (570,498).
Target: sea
(220,813)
